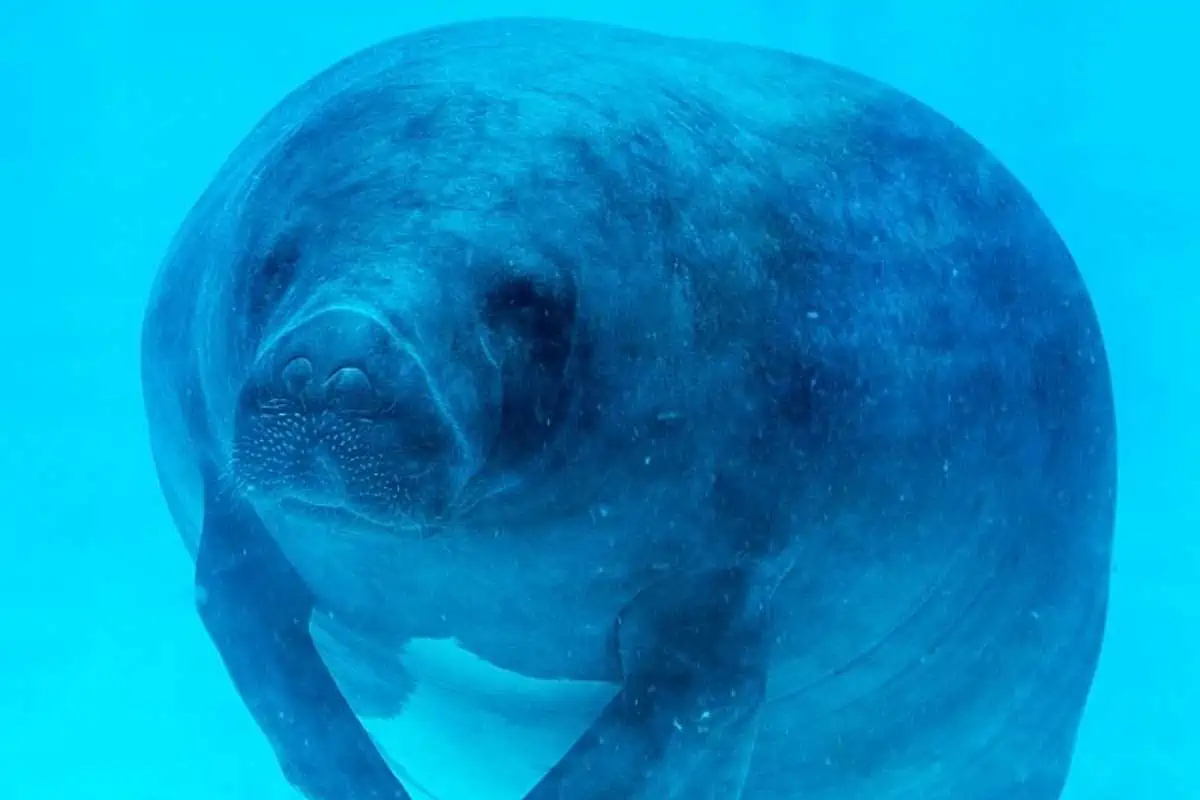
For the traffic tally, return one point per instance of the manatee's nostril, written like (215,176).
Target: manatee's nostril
(321,364)
(297,375)
(350,387)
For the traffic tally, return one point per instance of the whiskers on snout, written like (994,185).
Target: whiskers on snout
(345,468)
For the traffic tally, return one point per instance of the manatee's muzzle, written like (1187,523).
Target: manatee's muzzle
(338,411)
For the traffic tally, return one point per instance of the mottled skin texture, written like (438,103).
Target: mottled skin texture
(743,382)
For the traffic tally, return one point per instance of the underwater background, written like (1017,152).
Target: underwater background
(115,114)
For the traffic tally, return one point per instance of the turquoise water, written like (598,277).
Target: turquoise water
(116,114)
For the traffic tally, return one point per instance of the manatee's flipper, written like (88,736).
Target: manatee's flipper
(257,609)
(694,657)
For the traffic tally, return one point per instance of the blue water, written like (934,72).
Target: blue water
(114,114)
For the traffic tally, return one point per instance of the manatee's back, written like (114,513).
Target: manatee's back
(953,405)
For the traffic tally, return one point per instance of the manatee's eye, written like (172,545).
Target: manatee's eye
(271,280)
(534,327)
(535,318)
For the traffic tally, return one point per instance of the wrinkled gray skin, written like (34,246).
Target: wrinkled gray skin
(743,382)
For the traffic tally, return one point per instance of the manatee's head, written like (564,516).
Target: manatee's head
(408,331)
(388,395)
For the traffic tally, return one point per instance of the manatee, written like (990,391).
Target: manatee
(740,382)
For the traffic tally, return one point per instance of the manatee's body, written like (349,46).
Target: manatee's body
(737,380)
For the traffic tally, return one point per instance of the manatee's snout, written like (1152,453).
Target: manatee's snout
(337,360)
(339,412)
